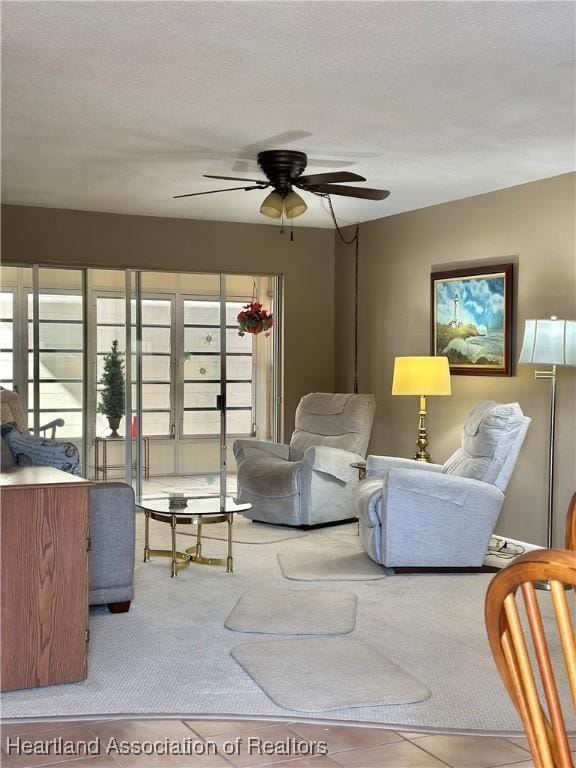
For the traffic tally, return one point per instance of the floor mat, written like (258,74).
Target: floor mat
(323,674)
(294,612)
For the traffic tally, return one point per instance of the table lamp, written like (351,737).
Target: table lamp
(421,376)
(549,342)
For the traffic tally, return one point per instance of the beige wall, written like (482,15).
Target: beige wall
(533,225)
(45,235)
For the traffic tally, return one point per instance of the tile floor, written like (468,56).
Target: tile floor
(255,744)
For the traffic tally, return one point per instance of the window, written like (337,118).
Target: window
(7,339)
(202,370)
(156,357)
(60,338)
(200,415)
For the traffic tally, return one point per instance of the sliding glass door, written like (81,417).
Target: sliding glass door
(190,383)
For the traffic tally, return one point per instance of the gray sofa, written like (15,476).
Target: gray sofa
(418,515)
(309,482)
(112,521)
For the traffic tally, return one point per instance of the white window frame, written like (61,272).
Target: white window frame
(26,349)
(120,296)
(15,336)
(182,297)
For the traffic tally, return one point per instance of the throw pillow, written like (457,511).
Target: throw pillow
(28,450)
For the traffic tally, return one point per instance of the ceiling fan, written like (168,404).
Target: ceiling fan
(283,169)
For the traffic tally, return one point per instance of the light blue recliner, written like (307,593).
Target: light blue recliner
(309,482)
(418,515)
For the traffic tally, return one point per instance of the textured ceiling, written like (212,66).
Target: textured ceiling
(117,106)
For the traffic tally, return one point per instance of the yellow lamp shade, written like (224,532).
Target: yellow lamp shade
(272,206)
(294,205)
(421,376)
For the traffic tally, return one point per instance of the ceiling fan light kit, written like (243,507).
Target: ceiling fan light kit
(272,206)
(294,205)
(283,169)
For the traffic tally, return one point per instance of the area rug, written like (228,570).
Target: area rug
(324,674)
(293,612)
(246,532)
(170,655)
(340,566)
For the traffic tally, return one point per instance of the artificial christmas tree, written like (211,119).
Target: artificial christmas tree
(113,392)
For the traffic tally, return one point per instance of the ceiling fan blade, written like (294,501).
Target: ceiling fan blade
(214,191)
(364,192)
(236,178)
(329,178)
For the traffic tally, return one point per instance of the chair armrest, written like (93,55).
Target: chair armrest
(431,519)
(112,522)
(368,501)
(244,449)
(377,465)
(332,461)
(52,425)
(448,488)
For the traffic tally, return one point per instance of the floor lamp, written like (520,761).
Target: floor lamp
(549,342)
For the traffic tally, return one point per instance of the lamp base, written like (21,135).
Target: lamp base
(422,442)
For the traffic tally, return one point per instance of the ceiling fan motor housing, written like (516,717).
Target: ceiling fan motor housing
(282,167)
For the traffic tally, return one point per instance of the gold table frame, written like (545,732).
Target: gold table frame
(188,516)
(193,554)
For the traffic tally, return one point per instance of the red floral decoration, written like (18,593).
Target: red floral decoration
(254,319)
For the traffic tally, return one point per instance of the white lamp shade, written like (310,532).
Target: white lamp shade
(549,342)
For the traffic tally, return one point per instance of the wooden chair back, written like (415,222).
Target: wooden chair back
(571,525)
(543,720)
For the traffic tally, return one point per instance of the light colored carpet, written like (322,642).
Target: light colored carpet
(292,612)
(341,566)
(324,674)
(171,653)
(246,532)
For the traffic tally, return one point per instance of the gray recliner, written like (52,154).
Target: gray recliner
(418,515)
(310,481)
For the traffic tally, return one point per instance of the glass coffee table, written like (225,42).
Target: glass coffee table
(187,511)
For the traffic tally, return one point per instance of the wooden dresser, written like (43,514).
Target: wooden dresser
(44,543)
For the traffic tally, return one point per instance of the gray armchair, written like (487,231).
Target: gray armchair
(418,515)
(309,482)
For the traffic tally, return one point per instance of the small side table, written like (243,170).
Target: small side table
(361,467)
(101,465)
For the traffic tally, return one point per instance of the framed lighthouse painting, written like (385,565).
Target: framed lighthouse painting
(471,320)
